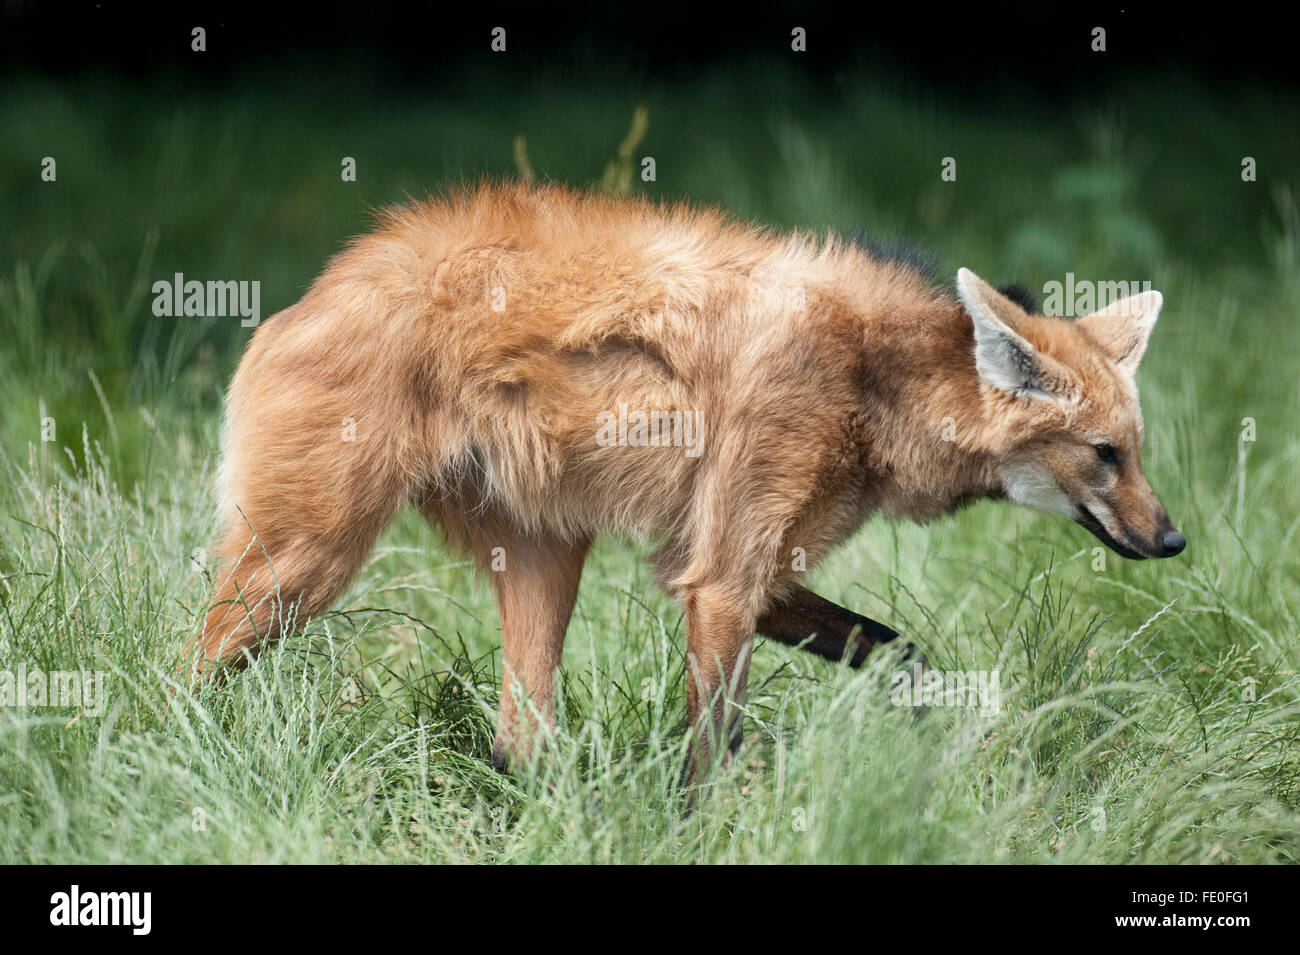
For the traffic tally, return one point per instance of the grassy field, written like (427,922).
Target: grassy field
(1149,711)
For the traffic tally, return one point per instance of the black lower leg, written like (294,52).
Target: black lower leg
(836,633)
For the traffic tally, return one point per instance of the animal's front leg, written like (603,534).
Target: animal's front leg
(836,633)
(719,642)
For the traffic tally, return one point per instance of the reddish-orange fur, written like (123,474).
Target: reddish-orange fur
(825,381)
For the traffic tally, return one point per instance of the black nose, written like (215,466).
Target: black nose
(1173,543)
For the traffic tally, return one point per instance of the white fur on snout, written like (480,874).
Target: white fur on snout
(1106,518)
(1033,485)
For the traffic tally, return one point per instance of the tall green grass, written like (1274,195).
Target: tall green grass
(1149,711)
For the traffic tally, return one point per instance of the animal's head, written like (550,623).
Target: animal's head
(1066,407)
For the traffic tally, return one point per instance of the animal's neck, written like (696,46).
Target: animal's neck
(932,429)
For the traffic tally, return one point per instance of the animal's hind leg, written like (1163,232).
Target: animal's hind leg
(309,509)
(536,578)
(269,579)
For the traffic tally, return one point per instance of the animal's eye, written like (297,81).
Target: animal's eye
(1106,452)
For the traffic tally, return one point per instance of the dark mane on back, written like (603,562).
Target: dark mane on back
(1022,295)
(925,261)
(911,255)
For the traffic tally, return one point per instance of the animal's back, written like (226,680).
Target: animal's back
(473,341)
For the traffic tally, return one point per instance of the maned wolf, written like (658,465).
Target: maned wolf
(533,366)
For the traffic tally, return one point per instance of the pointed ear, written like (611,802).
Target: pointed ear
(1004,358)
(1122,328)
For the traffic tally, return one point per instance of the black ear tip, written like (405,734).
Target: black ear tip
(1022,295)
